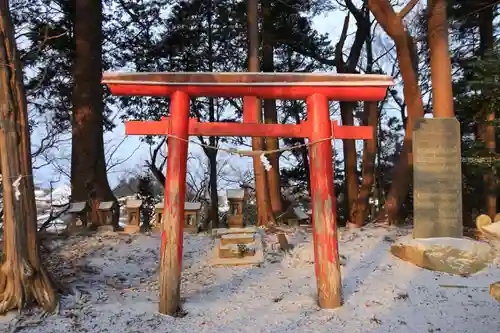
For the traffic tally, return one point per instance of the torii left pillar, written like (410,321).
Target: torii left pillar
(316,89)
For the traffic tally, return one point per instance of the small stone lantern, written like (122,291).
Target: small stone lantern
(296,216)
(236,199)
(191,216)
(79,216)
(158,216)
(106,210)
(134,216)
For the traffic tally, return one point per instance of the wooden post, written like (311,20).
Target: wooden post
(173,214)
(326,253)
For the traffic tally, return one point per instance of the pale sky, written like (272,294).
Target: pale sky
(330,23)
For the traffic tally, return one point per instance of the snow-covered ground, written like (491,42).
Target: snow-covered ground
(116,279)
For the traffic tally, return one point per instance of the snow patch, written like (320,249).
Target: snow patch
(115,277)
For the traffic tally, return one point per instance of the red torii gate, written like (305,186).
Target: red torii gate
(316,88)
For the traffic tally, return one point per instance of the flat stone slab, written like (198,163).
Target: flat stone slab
(224,231)
(237,239)
(460,256)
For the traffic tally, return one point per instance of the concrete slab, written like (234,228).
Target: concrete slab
(224,231)
(237,239)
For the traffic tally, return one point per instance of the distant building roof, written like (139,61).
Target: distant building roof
(134,203)
(77,207)
(106,205)
(192,205)
(187,205)
(236,194)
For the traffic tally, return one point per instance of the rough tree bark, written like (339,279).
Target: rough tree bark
(487,132)
(261,190)
(295,109)
(347,108)
(371,115)
(212,153)
(89,181)
(442,91)
(360,211)
(22,277)
(270,113)
(393,25)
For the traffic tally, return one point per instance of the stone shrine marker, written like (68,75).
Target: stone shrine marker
(437,178)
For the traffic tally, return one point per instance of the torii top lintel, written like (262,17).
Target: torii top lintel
(341,87)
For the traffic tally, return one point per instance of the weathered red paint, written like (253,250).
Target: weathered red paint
(353,93)
(317,128)
(196,128)
(163,244)
(173,213)
(323,204)
(249,104)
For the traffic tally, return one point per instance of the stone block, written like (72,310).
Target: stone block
(131,229)
(437,178)
(229,239)
(495,290)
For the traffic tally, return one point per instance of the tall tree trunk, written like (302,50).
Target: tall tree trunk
(371,118)
(442,91)
(22,278)
(350,158)
(304,151)
(212,153)
(270,113)
(488,130)
(347,108)
(295,108)
(360,211)
(392,24)
(214,197)
(89,181)
(261,190)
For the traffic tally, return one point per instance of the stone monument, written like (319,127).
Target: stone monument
(437,178)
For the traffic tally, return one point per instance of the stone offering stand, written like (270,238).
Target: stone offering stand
(238,246)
